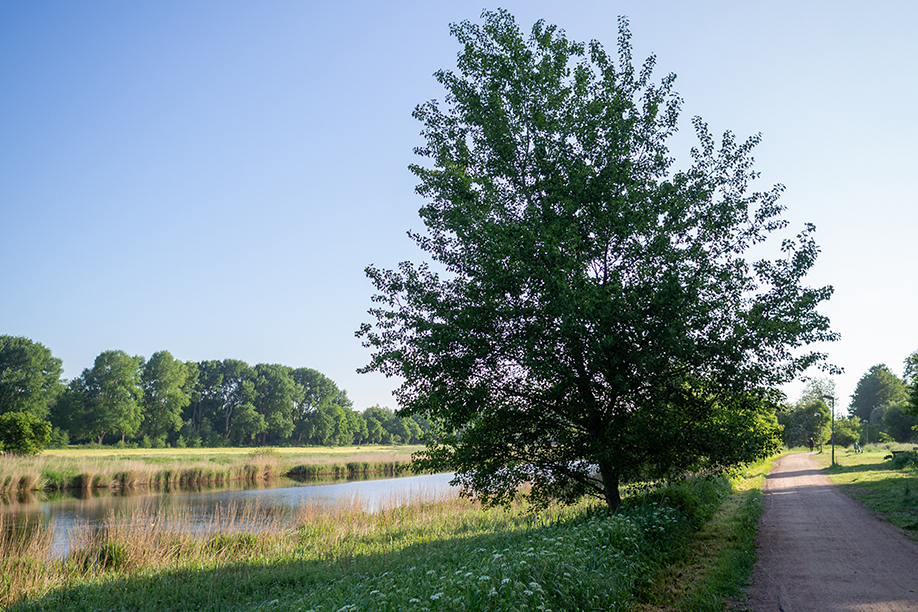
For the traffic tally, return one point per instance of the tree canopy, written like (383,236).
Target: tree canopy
(164,396)
(586,315)
(166,402)
(877,387)
(30,376)
(111,395)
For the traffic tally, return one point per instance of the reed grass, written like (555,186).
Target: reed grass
(86,470)
(411,554)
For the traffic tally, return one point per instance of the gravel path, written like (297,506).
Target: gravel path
(820,550)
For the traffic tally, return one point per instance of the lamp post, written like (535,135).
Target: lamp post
(832,399)
(866,432)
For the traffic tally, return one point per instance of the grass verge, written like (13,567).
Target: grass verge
(712,576)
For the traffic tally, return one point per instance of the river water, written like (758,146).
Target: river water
(202,511)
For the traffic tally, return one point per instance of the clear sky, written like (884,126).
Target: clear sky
(211,177)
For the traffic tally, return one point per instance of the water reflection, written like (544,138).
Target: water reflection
(200,509)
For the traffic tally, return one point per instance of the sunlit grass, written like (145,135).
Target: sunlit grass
(118,468)
(871,478)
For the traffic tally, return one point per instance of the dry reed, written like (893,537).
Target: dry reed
(30,565)
(87,472)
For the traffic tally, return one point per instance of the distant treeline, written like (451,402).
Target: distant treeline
(162,401)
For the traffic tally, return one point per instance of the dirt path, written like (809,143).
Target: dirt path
(820,550)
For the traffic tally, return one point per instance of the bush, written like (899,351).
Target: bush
(23,433)
(904,459)
(695,499)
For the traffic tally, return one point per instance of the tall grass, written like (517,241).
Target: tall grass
(447,554)
(88,471)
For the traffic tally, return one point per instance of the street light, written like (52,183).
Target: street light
(866,432)
(832,399)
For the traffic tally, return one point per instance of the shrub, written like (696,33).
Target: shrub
(905,459)
(23,433)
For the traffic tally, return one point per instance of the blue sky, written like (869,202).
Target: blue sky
(211,178)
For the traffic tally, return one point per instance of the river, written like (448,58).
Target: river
(201,512)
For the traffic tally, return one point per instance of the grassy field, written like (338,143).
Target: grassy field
(873,478)
(449,554)
(90,468)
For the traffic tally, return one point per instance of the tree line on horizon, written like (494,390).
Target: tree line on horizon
(162,401)
(883,408)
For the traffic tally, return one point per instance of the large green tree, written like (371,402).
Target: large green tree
(238,418)
(276,394)
(319,410)
(910,376)
(899,422)
(587,315)
(164,394)
(877,387)
(111,391)
(30,376)
(808,419)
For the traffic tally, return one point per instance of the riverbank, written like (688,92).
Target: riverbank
(450,553)
(112,468)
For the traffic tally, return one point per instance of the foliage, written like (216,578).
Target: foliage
(904,459)
(910,368)
(848,431)
(878,387)
(111,395)
(910,376)
(595,319)
(164,397)
(899,422)
(30,376)
(817,389)
(808,418)
(164,402)
(23,433)
(275,396)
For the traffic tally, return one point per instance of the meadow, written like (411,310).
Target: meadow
(888,487)
(450,553)
(111,467)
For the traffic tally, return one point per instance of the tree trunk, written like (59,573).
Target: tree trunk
(610,485)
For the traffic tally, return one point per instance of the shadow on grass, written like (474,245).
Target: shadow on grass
(880,465)
(890,492)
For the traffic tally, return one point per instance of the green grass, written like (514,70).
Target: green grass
(873,479)
(719,561)
(451,554)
